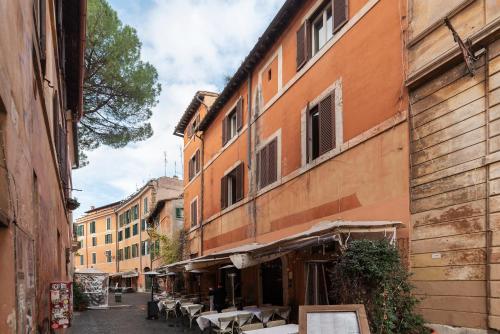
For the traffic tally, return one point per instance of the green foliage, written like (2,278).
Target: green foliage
(80,300)
(371,273)
(119,88)
(170,249)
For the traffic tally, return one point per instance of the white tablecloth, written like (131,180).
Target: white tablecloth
(205,320)
(285,329)
(257,311)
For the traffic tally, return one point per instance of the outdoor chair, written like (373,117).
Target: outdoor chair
(276,323)
(250,327)
(242,319)
(226,325)
(266,315)
(194,312)
(170,306)
(283,313)
(229,309)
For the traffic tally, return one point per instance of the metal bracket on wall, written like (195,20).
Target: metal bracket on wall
(465,47)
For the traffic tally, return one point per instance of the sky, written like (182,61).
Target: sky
(194,45)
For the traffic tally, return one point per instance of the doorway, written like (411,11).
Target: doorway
(272,282)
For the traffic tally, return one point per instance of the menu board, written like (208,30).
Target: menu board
(326,323)
(61,304)
(337,319)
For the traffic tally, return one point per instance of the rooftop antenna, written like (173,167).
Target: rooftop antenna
(165,157)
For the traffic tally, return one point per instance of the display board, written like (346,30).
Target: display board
(95,286)
(61,304)
(338,319)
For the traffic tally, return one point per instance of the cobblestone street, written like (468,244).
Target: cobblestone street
(127,317)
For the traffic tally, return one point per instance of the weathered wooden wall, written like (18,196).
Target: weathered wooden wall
(455,183)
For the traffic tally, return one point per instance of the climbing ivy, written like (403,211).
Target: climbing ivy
(371,273)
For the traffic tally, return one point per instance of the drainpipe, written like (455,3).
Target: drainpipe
(202,178)
(116,242)
(251,186)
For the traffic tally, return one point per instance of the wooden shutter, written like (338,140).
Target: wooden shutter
(340,14)
(238,175)
(190,129)
(273,161)
(308,134)
(190,166)
(194,213)
(197,161)
(264,169)
(301,45)
(223,192)
(224,131)
(239,114)
(326,124)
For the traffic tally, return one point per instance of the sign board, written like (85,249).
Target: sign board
(338,319)
(61,304)
(95,286)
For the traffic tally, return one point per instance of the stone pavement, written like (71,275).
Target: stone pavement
(127,317)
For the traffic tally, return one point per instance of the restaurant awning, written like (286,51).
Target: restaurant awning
(323,232)
(130,274)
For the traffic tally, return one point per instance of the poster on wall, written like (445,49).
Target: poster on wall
(94,284)
(25,281)
(61,304)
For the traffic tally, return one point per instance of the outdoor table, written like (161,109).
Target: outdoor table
(257,312)
(204,321)
(285,329)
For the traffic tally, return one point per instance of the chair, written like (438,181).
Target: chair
(229,309)
(275,323)
(170,306)
(244,318)
(193,312)
(266,315)
(251,327)
(283,313)
(226,325)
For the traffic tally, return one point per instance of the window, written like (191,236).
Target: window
(233,122)
(144,248)
(120,235)
(143,225)
(194,165)
(80,230)
(194,212)
(92,227)
(179,213)
(267,164)
(232,187)
(120,254)
(94,241)
(127,233)
(108,256)
(135,229)
(80,244)
(269,75)
(108,238)
(127,252)
(81,260)
(135,250)
(135,212)
(193,126)
(321,127)
(108,224)
(121,218)
(145,205)
(316,31)
(94,258)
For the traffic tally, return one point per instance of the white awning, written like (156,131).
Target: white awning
(323,232)
(130,274)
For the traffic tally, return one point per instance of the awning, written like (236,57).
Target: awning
(130,274)
(322,233)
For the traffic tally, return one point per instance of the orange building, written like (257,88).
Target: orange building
(114,238)
(308,139)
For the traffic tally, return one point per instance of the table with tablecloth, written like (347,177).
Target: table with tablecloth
(204,321)
(285,329)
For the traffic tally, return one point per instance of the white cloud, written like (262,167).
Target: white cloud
(193,44)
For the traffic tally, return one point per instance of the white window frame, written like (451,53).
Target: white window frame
(323,17)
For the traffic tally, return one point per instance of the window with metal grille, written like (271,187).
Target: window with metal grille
(194,212)
(127,233)
(108,238)
(94,258)
(321,127)
(108,256)
(232,186)
(135,229)
(94,241)
(194,165)
(267,164)
(92,227)
(233,122)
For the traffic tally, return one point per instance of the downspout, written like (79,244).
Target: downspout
(116,243)
(251,186)
(202,170)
